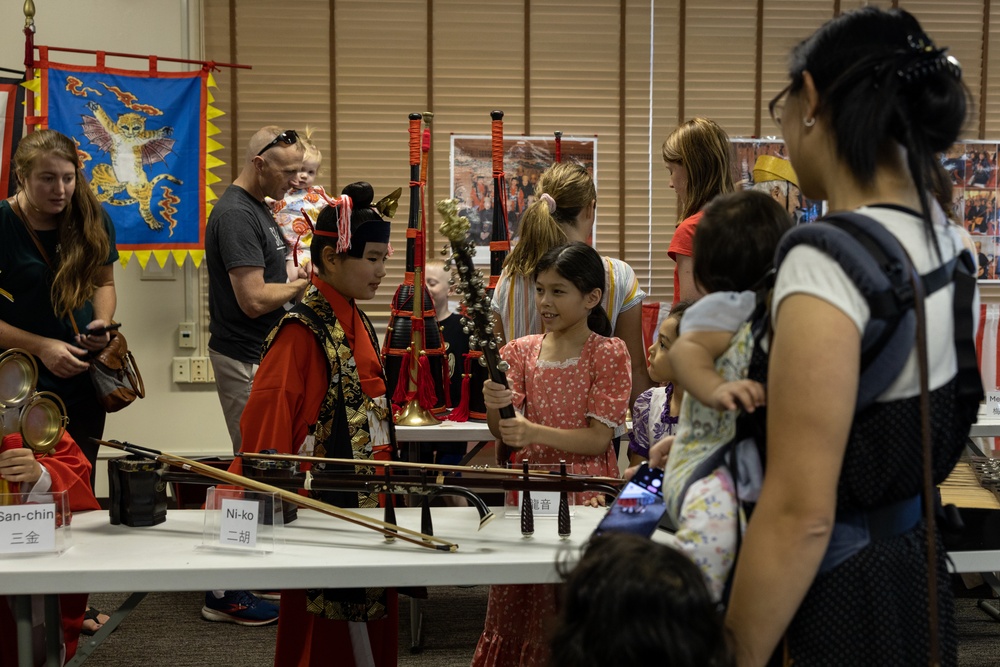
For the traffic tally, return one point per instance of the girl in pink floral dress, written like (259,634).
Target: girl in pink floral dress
(570,388)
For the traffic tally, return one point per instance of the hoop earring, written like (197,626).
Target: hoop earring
(809,122)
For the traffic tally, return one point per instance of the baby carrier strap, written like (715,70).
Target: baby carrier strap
(876,263)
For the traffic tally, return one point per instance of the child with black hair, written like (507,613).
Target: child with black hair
(569,387)
(654,412)
(631,601)
(735,243)
(320,363)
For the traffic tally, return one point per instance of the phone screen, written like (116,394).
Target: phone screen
(639,506)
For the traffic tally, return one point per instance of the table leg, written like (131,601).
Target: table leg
(25,640)
(53,632)
(416,626)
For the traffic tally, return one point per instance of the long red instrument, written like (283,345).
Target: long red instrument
(500,239)
(413,349)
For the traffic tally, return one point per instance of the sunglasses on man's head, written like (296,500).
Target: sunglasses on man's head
(288,137)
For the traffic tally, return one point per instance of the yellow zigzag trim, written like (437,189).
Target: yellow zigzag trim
(211,162)
(161,257)
(35,86)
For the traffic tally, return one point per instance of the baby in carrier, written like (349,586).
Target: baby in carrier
(734,249)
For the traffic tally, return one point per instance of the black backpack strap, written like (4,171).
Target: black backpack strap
(970,382)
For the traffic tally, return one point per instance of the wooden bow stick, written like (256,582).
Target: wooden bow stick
(388,530)
(431,467)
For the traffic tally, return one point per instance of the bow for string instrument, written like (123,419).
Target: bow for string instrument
(388,530)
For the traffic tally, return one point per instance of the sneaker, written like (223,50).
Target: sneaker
(238,607)
(274,596)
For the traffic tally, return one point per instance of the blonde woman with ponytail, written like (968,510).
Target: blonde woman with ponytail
(564,212)
(57,255)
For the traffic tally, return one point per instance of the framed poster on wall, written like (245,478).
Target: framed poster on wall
(972,166)
(524,161)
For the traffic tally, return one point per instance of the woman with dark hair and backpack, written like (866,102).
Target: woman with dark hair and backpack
(871,102)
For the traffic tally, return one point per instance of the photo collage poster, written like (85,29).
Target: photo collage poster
(972,166)
(525,159)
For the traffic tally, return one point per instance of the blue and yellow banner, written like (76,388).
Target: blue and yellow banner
(145,145)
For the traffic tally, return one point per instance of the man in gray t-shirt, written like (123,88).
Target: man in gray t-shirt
(247,279)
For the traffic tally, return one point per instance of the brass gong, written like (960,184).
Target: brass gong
(40,417)
(18,375)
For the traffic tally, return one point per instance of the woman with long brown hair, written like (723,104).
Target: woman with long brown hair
(57,254)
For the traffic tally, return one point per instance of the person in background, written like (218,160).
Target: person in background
(247,289)
(436,278)
(564,212)
(870,104)
(654,413)
(57,279)
(302,198)
(247,279)
(699,158)
(775,176)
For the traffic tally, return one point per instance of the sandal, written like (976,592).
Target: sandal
(93,615)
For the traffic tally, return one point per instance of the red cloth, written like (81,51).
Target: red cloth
(70,471)
(288,391)
(682,244)
(367,358)
(308,639)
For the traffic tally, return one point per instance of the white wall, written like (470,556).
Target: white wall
(185,419)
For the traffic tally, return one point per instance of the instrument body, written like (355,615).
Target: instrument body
(478,318)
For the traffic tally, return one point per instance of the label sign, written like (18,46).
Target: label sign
(238,527)
(993,403)
(28,528)
(543,503)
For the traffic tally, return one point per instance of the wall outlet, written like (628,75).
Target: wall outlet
(199,369)
(182,370)
(211,369)
(187,335)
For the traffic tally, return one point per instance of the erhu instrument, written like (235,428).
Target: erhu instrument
(388,530)
(414,351)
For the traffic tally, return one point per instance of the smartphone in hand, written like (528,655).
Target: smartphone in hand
(639,506)
(98,331)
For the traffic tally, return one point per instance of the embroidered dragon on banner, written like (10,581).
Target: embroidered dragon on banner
(131,147)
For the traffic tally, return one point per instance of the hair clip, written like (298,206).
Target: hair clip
(920,43)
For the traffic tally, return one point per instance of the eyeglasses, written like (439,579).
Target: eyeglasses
(288,137)
(777,106)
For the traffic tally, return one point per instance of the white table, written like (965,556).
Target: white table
(316,551)
(987,425)
(445,432)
